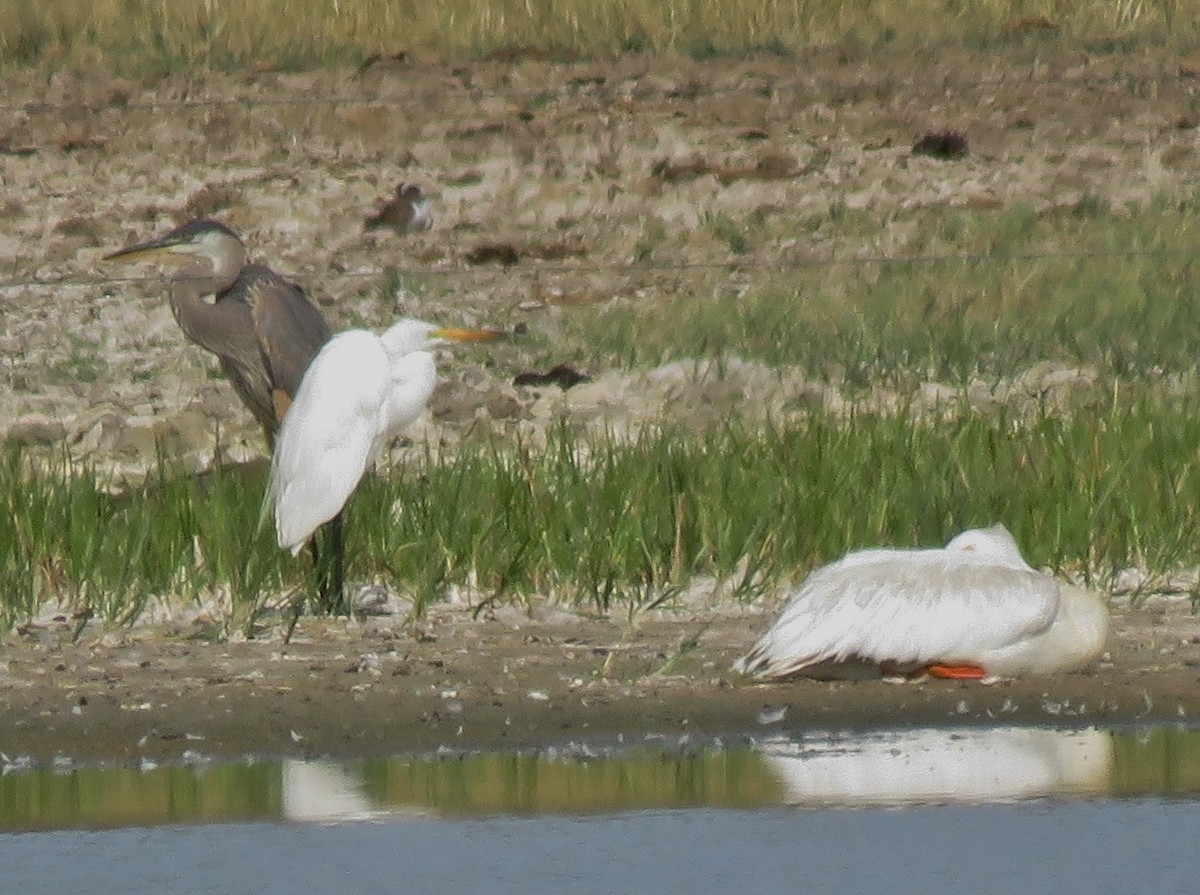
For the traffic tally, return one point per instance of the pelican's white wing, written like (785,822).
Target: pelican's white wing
(904,606)
(329,436)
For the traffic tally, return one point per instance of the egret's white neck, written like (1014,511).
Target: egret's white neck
(406,336)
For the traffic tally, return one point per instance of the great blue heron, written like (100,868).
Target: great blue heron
(406,212)
(360,390)
(263,328)
(972,609)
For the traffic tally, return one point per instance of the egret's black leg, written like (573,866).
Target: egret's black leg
(300,598)
(329,562)
(295,610)
(337,546)
(315,549)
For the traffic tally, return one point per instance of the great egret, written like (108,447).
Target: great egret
(406,212)
(264,330)
(974,609)
(360,390)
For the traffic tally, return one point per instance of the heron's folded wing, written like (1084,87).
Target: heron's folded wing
(290,328)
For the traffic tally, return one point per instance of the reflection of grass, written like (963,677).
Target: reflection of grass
(1163,761)
(94,797)
(518,783)
(169,36)
(638,780)
(606,523)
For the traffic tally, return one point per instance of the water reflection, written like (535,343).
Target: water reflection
(323,791)
(120,797)
(630,779)
(904,767)
(936,765)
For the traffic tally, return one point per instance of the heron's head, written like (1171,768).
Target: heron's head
(200,239)
(408,335)
(995,543)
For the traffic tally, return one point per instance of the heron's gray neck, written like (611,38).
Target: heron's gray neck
(194,290)
(226,262)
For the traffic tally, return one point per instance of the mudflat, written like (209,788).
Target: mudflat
(518,678)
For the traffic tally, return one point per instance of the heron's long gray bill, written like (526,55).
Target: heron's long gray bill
(161,245)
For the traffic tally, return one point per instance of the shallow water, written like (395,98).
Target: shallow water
(902,767)
(996,809)
(1126,846)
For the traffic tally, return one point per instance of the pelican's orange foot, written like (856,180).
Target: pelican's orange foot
(956,672)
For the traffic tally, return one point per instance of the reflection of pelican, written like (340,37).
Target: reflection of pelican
(932,765)
(970,610)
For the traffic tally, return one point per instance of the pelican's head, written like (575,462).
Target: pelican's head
(408,335)
(201,239)
(995,543)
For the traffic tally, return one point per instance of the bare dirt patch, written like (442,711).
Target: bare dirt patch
(559,176)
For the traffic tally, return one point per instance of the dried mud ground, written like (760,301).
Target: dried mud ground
(581,169)
(519,679)
(607,183)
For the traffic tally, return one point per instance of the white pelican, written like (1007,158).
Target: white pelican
(974,609)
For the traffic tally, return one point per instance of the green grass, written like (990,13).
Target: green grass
(988,294)
(145,36)
(84,364)
(623,525)
(65,535)
(610,524)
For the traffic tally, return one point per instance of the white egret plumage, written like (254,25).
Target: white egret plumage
(973,609)
(360,390)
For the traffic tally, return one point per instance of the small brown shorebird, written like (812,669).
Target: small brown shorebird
(406,212)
